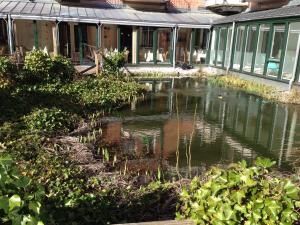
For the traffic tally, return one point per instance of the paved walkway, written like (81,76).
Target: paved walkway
(167,222)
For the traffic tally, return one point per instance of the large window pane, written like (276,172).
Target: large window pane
(238,47)
(221,46)
(290,59)
(164,45)
(146,45)
(277,42)
(250,48)
(200,50)
(213,47)
(228,48)
(183,45)
(264,32)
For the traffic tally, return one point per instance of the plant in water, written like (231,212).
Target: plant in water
(240,195)
(19,199)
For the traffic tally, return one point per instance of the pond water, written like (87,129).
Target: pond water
(188,125)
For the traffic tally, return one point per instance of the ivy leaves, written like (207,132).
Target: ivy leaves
(19,200)
(241,195)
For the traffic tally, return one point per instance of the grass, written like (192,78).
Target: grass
(265,91)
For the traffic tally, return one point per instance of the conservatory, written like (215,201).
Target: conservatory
(264,44)
(78,31)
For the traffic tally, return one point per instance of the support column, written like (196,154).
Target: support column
(175,31)
(155,36)
(35,34)
(134,45)
(72,38)
(98,36)
(10,34)
(55,36)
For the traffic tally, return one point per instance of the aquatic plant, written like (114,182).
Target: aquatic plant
(240,195)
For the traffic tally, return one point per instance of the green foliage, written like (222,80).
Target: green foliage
(241,195)
(20,201)
(104,91)
(113,62)
(63,68)
(50,121)
(37,65)
(8,71)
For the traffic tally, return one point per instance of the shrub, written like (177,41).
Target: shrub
(113,62)
(8,71)
(19,199)
(38,65)
(63,69)
(104,91)
(50,121)
(241,195)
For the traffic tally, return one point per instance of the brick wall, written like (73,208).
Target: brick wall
(180,4)
(187,4)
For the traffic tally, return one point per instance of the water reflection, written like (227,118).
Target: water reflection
(229,126)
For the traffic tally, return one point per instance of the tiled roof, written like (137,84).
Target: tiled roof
(51,10)
(287,11)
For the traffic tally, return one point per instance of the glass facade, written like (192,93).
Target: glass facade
(228,49)
(291,53)
(221,46)
(261,52)
(238,50)
(276,50)
(250,48)
(264,48)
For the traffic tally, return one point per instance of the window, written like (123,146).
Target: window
(238,47)
(221,46)
(290,59)
(213,47)
(264,32)
(146,45)
(199,52)
(228,48)
(277,42)
(164,50)
(250,48)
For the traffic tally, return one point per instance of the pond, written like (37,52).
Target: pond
(187,125)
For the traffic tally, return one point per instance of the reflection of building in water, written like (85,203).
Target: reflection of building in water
(232,127)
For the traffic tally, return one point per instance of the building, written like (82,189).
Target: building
(260,43)
(155,32)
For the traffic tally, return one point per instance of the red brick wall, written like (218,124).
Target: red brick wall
(181,4)
(188,4)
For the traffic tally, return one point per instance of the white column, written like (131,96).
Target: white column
(10,34)
(174,45)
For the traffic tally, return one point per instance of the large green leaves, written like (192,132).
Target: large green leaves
(241,195)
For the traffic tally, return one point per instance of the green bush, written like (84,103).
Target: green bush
(113,62)
(241,195)
(19,198)
(38,66)
(8,71)
(50,121)
(104,91)
(62,68)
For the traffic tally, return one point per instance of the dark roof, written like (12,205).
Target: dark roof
(52,11)
(286,11)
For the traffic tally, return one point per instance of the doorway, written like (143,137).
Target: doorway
(126,41)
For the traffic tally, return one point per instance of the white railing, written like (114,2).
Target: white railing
(224,2)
